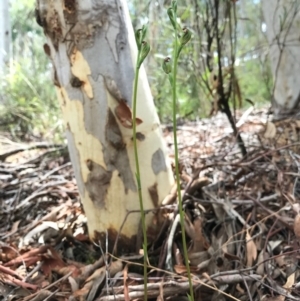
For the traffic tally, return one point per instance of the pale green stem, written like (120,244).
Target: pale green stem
(181,212)
(138,176)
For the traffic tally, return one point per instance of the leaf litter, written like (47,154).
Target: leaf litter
(242,221)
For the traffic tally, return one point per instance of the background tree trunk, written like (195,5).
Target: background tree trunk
(5,33)
(93,50)
(282,18)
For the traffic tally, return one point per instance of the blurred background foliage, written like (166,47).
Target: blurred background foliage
(251,65)
(28,104)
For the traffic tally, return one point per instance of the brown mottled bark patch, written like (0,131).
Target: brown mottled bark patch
(154,195)
(140,136)
(158,162)
(125,244)
(97,182)
(115,154)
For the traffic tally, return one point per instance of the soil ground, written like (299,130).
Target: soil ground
(242,221)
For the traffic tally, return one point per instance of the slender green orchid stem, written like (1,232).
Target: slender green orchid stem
(138,175)
(181,211)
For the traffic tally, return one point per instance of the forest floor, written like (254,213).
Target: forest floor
(242,221)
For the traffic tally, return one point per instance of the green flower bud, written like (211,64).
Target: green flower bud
(174,6)
(167,66)
(145,48)
(186,36)
(184,39)
(144,30)
(172,17)
(138,38)
(140,35)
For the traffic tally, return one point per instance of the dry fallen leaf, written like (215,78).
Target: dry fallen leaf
(251,250)
(270,131)
(93,282)
(7,253)
(195,232)
(125,277)
(51,261)
(297,225)
(181,269)
(297,221)
(239,288)
(290,281)
(277,298)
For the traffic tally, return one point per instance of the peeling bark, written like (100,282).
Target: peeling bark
(91,45)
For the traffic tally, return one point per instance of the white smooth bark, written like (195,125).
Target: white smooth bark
(282,18)
(93,50)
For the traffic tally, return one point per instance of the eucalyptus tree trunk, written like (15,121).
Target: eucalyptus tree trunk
(5,34)
(282,18)
(93,51)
